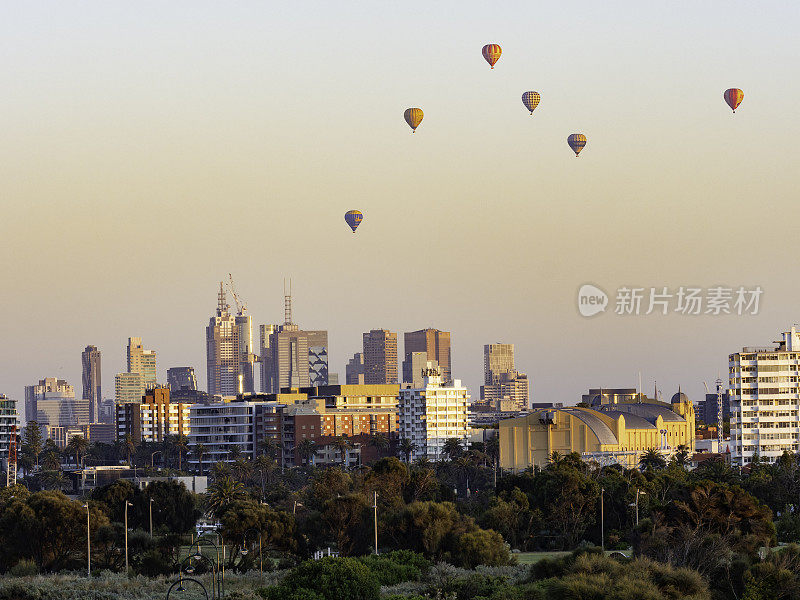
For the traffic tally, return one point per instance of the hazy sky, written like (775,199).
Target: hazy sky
(149,148)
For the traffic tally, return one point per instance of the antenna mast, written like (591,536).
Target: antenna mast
(287,303)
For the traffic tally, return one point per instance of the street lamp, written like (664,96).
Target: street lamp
(602,522)
(296,504)
(151,517)
(127,504)
(88,544)
(180,582)
(636,502)
(153,455)
(190,570)
(220,565)
(260,555)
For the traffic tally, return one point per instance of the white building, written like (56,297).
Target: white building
(431,414)
(765,400)
(221,426)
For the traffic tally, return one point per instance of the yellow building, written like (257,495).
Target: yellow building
(608,433)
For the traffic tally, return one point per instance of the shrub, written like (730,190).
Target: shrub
(397,567)
(328,579)
(24,568)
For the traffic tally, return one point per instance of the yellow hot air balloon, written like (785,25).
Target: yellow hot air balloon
(733,98)
(413,117)
(353,218)
(531,100)
(492,52)
(576,141)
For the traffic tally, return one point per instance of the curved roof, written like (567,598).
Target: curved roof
(679,397)
(649,411)
(603,432)
(632,421)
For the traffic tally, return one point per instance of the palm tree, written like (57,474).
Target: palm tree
(234,453)
(652,460)
(555,457)
(77,446)
(407,447)
(452,448)
(306,450)
(380,442)
(342,445)
(51,460)
(130,447)
(682,456)
(264,465)
(199,451)
(222,493)
(181,444)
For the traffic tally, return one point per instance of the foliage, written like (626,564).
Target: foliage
(328,579)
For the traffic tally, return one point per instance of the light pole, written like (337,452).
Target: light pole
(151,517)
(127,504)
(88,544)
(602,522)
(260,554)
(636,502)
(296,504)
(375,509)
(152,456)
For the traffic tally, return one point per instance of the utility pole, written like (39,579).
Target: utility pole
(127,504)
(375,509)
(88,544)
(151,517)
(602,522)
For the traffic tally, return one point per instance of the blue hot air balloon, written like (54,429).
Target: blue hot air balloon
(353,218)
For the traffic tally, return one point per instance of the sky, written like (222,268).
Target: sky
(150,148)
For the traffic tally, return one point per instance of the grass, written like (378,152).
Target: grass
(529,558)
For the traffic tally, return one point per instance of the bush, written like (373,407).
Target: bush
(24,568)
(397,567)
(327,579)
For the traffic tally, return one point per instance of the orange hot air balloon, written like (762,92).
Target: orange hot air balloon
(734,97)
(492,52)
(413,117)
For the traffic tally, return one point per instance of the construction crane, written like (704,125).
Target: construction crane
(241,307)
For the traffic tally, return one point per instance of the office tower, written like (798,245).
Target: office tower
(497,359)
(179,378)
(92,390)
(142,361)
(221,426)
(153,419)
(52,402)
(502,382)
(247,358)
(9,427)
(432,413)
(265,355)
(764,395)
(223,350)
(354,371)
(129,387)
(414,367)
(435,343)
(291,357)
(380,357)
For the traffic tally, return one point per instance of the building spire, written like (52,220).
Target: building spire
(222,302)
(287,304)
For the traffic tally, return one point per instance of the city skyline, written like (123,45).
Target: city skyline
(136,144)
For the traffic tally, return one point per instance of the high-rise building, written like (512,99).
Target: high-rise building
(92,388)
(431,414)
(154,418)
(502,382)
(354,371)
(414,368)
(380,357)
(291,357)
(764,394)
(223,350)
(142,361)
(247,358)
(435,343)
(129,387)
(221,426)
(9,426)
(52,402)
(179,378)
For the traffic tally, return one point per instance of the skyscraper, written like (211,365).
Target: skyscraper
(501,379)
(92,389)
(52,402)
(129,387)
(179,378)
(380,356)
(354,371)
(247,358)
(419,364)
(291,357)
(142,361)
(223,357)
(435,343)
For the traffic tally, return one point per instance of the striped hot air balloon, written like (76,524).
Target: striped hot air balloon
(734,97)
(413,117)
(531,100)
(576,141)
(353,218)
(492,52)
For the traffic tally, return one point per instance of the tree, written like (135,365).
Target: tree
(344,518)
(681,457)
(130,447)
(306,450)
(51,457)
(77,446)
(264,465)
(199,451)
(342,445)
(452,448)
(330,579)
(407,447)
(32,442)
(223,493)
(181,444)
(652,460)
(380,442)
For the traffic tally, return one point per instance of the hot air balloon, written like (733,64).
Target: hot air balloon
(353,218)
(492,52)
(576,141)
(413,117)
(531,100)
(734,97)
